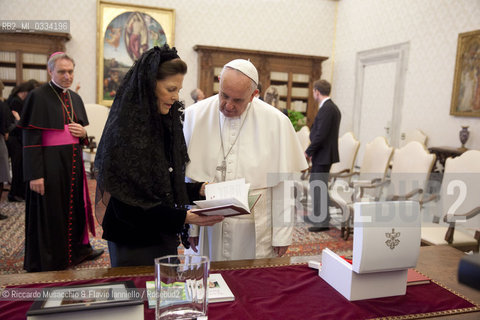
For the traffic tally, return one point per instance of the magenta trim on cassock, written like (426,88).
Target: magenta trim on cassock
(58,138)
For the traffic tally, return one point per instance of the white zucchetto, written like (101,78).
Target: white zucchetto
(245,67)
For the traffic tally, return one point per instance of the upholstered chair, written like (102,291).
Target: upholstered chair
(457,222)
(411,168)
(365,183)
(415,135)
(348,147)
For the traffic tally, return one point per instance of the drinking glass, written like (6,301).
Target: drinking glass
(181,286)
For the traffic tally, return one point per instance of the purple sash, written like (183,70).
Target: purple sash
(57,137)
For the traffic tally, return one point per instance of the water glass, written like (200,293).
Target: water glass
(181,286)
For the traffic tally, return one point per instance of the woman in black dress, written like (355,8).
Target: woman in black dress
(140,164)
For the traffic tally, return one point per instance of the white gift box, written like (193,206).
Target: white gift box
(386,244)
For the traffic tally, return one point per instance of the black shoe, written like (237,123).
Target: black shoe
(94,254)
(3,217)
(318,229)
(89,254)
(15,199)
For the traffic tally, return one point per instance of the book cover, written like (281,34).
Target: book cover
(226,207)
(415,278)
(218,289)
(229,198)
(113,300)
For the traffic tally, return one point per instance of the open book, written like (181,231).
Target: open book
(229,198)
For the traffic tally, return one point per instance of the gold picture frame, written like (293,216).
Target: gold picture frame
(466,86)
(124,32)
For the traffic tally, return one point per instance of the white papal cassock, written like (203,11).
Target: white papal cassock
(264,142)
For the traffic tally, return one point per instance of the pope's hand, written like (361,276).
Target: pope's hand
(193,218)
(202,189)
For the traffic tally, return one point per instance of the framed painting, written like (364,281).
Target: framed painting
(124,32)
(466,83)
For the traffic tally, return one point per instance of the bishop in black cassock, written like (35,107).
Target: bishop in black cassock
(57,222)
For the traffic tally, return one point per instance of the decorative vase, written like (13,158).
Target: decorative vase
(464,134)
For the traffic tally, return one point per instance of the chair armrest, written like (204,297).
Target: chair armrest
(333,176)
(374,183)
(451,229)
(345,208)
(361,185)
(306,173)
(347,175)
(432,197)
(406,196)
(470,214)
(339,173)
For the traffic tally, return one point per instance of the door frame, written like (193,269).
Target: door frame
(397,54)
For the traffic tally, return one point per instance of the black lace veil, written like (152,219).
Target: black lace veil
(142,154)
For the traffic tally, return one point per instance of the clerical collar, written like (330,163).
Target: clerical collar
(323,101)
(60,88)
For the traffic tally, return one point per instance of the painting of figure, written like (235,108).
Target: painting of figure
(126,33)
(466,89)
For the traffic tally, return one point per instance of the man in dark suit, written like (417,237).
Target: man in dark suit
(323,152)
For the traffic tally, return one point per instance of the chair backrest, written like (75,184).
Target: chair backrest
(415,135)
(348,149)
(376,159)
(411,168)
(97,116)
(375,162)
(459,192)
(304,137)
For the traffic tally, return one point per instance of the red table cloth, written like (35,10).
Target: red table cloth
(290,292)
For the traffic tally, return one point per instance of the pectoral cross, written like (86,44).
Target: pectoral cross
(223,169)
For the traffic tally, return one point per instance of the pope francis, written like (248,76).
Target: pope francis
(234,135)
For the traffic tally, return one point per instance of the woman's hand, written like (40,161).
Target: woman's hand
(193,218)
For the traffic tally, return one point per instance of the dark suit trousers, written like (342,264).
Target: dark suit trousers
(15,150)
(320,216)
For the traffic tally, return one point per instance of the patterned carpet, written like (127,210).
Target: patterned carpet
(12,237)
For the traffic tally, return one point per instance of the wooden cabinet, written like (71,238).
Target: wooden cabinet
(292,74)
(24,55)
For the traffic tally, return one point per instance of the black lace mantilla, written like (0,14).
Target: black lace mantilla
(139,146)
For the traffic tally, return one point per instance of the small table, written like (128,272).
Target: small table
(443,153)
